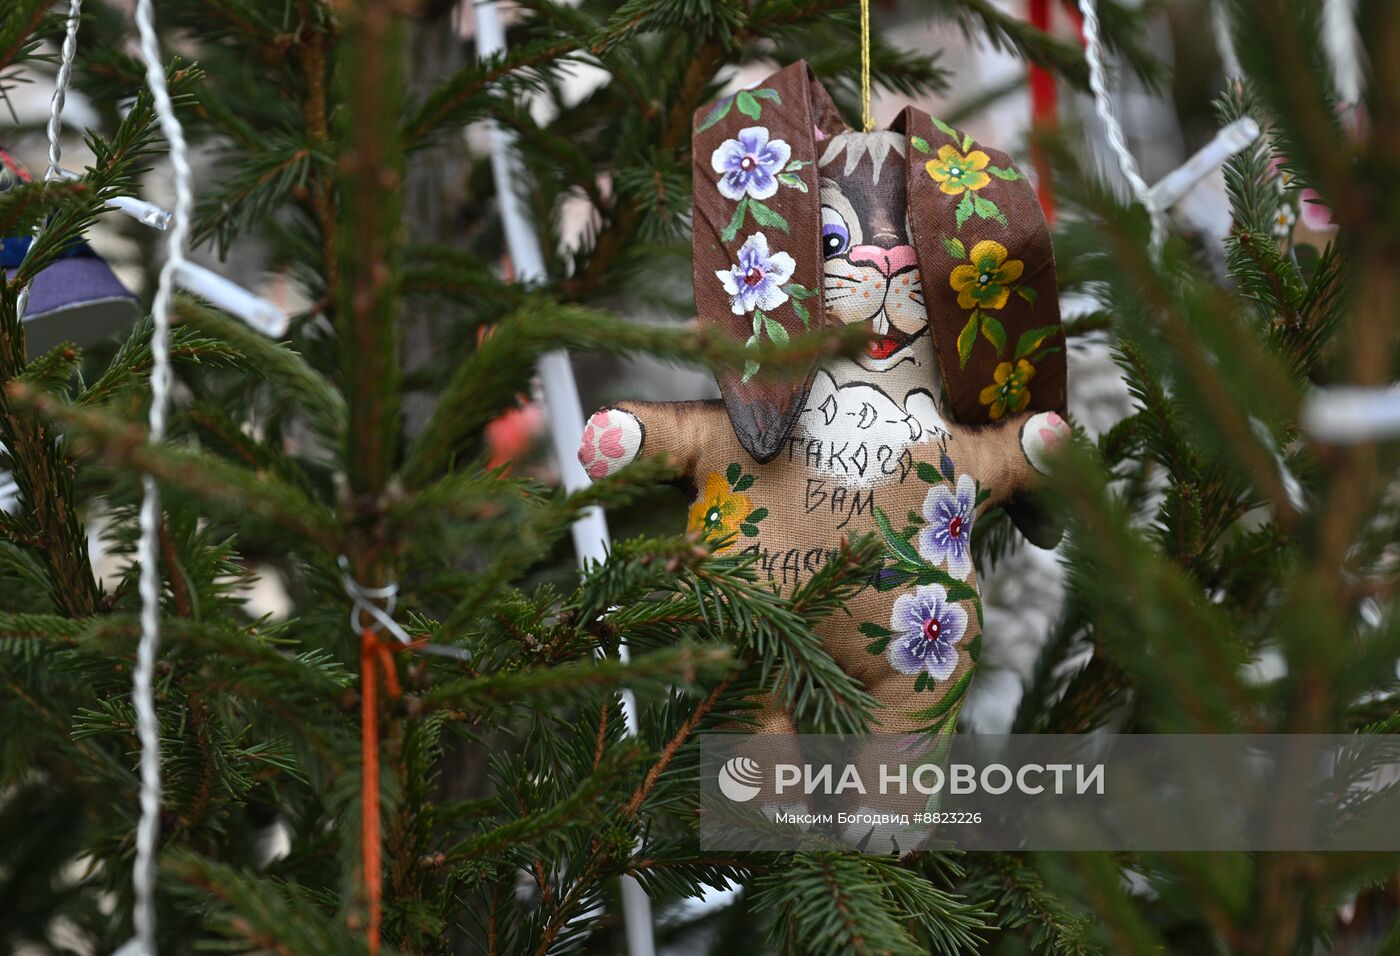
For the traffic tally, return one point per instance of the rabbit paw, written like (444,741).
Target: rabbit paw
(1040,436)
(611,439)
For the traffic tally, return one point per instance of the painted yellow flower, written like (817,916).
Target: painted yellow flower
(1008,391)
(719,509)
(956,173)
(985,281)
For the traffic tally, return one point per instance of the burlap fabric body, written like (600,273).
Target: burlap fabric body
(938,246)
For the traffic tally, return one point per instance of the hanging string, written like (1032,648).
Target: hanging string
(1340,41)
(147,726)
(1224,41)
(55,127)
(1103,105)
(867,121)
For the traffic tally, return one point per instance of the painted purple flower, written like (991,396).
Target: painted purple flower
(750,164)
(947,538)
(927,630)
(757,281)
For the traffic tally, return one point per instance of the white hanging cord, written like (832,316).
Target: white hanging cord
(565,414)
(1103,105)
(1225,40)
(60,89)
(147,726)
(55,127)
(1343,47)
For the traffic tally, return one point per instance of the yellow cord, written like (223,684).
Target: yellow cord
(868,120)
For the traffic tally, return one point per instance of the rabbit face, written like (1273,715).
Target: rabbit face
(871,272)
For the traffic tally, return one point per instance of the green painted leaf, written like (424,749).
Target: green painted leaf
(767,217)
(949,701)
(775,331)
(877,646)
(735,221)
(749,530)
(1026,292)
(957,590)
(744,483)
(719,112)
(993,331)
(796,164)
(891,579)
(748,105)
(974,648)
(768,94)
(871,629)
(793,180)
(966,142)
(964,209)
(966,337)
(750,370)
(921,144)
(986,209)
(757,515)
(921,682)
(955,247)
(897,545)
(732,473)
(1004,172)
(917,519)
(928,473)
(802,313)
(945,128)
(799,291)
(1030,341)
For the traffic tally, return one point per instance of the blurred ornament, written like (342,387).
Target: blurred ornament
(76,298)
(512,433)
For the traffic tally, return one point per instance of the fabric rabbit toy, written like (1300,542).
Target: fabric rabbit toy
(938,246)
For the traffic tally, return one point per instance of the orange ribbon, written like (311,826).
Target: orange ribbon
(375,655)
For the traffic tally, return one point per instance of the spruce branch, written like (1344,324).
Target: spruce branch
(218,483)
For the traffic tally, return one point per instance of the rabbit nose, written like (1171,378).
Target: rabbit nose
(888,261)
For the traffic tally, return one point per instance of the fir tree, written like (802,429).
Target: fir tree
(1206,529)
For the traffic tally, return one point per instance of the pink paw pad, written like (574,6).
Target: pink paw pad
(1042,435)
(610,440)
(1053,430)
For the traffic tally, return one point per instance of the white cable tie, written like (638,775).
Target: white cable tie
(1348,414)
(365,599)
(1169,190)
(259,313)
(146,213)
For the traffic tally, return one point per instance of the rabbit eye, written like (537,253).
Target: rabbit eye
(836,236)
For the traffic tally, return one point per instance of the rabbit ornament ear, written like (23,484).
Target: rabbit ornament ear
(988,272)
(982,244)
(757,238)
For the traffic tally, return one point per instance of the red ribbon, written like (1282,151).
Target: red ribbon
(375,655)
(1044,111)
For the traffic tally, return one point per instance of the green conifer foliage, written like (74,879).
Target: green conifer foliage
(1206,529)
